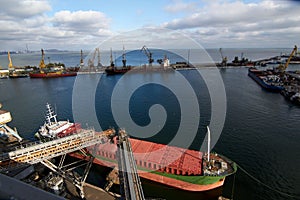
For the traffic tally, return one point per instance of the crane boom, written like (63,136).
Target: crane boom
(148,54)
(284,67)
(10,65)
(42,62)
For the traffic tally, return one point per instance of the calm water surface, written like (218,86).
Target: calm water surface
(261,131)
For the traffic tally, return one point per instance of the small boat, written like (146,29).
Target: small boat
(17,75)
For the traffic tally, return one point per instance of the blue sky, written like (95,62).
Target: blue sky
(77,24)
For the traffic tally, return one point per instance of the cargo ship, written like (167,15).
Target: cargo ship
(176,167)
(50,72)
(112,69)
(266,79)
(172,166)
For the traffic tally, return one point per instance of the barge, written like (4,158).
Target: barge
(266,79)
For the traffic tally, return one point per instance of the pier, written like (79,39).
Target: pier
(42,152)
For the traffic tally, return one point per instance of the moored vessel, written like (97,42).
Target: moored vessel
(266,79)
(53,128)
(50,72)
(172,166)
(176,167)
(112,69)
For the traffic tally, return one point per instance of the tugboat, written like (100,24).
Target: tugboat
(53,128)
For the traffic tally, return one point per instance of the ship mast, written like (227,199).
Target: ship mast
(124,57)
(81,59)
(50,115)
(208,144)
(111,59)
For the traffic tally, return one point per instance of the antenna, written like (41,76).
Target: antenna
(208,144)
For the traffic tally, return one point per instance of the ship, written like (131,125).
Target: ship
(15,72)
(52,128)
(179,168)
(266,79)
(112,69)
(176,167)
(50,72)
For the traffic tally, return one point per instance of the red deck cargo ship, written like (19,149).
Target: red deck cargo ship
(173,166)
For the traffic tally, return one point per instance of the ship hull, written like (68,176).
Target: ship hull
(51,75)
(112,71)
(18,76)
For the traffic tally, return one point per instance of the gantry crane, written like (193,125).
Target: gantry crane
(148,54)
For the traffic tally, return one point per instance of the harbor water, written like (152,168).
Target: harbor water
(261,130)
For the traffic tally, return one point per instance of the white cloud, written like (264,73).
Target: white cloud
(242,22)
(23,9)
(81,21)
(64,30)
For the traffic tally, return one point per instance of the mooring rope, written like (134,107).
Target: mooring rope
(267,186)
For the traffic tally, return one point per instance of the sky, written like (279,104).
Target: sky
(83,24)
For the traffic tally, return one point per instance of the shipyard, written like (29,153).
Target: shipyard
(60,147)
(156,100)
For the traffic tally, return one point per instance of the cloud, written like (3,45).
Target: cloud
(240,21)
(23,9)
(93,22)
(64,30)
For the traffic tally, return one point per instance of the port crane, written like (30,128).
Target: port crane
(42,62)
(281,67)
(224,59)
(91,61)
(148,54)
(10,64)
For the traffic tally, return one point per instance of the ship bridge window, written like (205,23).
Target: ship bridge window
(149,165)
(145,164)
